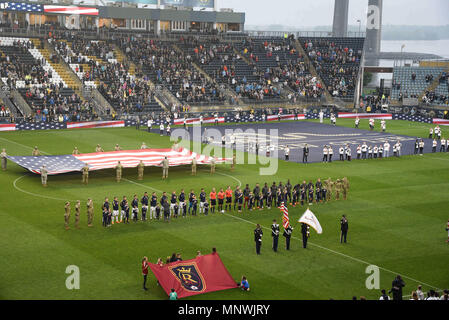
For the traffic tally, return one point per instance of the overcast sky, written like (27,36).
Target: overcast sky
(298,13)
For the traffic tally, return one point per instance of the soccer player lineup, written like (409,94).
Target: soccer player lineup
(236,161)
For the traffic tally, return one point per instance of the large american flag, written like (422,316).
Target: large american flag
(107,160)
(285,219)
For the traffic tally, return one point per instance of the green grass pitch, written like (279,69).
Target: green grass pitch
(397,211)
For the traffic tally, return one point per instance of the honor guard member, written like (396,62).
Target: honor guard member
(115,210)
(383,125)
(258,233)
(135,208)
(98,148)
(287,234)
(153,205)
(305,153)
(348,153)
(194,166)
(90,212)
(144,202)
(386,149)
(202,200)
(77,214)
(443,145)
(168,130)
(165,165)
(149,124)
(161,129)
(341,151)
(67,215)
(331,153)
(375,151)
(213,200)
(345,187)
(3,156)
(140,170)
(75,151)
(357,122)
(421,147)
(44,174)
(86,174)
(343,228)
(125,210)
(364,150)
(36,152)
(287,153)
(143,146)
(117,148)
(105,209)
(416,146)
(118,171)
(173,202)
(434,145)
(305,234)
(275,235)
(359,151)
(371,124)
(325,153)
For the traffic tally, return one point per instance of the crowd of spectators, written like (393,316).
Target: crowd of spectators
(171,69)
(337,64)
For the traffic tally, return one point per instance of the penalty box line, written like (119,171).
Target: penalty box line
(341,254)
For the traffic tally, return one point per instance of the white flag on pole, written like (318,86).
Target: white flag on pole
(309,218)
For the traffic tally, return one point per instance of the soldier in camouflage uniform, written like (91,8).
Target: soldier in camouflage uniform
(99,148)
(118,171)
(90,212)
(212,165)
(77,214)
(44,174)
(76,151)
(345,186)
(165,165)
(140,169)
(67,215)
(338,187)
(330,188)
(85,174)
(36,152)
(3,156)
(233,162)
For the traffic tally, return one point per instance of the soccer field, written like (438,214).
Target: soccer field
(397,212)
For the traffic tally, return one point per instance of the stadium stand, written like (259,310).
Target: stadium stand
(337,61)
(412,81)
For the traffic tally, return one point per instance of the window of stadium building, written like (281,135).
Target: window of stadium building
(233,27)
(138,24)
(179,25)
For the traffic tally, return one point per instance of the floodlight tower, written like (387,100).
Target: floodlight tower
(340,25)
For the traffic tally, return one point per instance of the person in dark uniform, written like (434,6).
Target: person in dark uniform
(144,202)
(275,235)
(239,198)
(289,187)
(318,189)
(269,198)
(166,209)
(258,233)
(396,288)
(310,189)
(305,153)
(305,234)
(303,192)
(246,193)
(264,195)
(164,198)
(287,234)
(182,203)
(135,206)
(106,212)
(256,193)
(344,228)
(274,189)
(125,209)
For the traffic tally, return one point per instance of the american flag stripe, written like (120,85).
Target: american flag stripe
(285,218)
(95,124)
(384,116)
(71,10)
(8,127)
(275,117)
(444,122)
(197,120)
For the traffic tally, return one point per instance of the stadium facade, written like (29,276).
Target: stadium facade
(153,16)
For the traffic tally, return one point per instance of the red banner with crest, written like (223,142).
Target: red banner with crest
(196,276)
